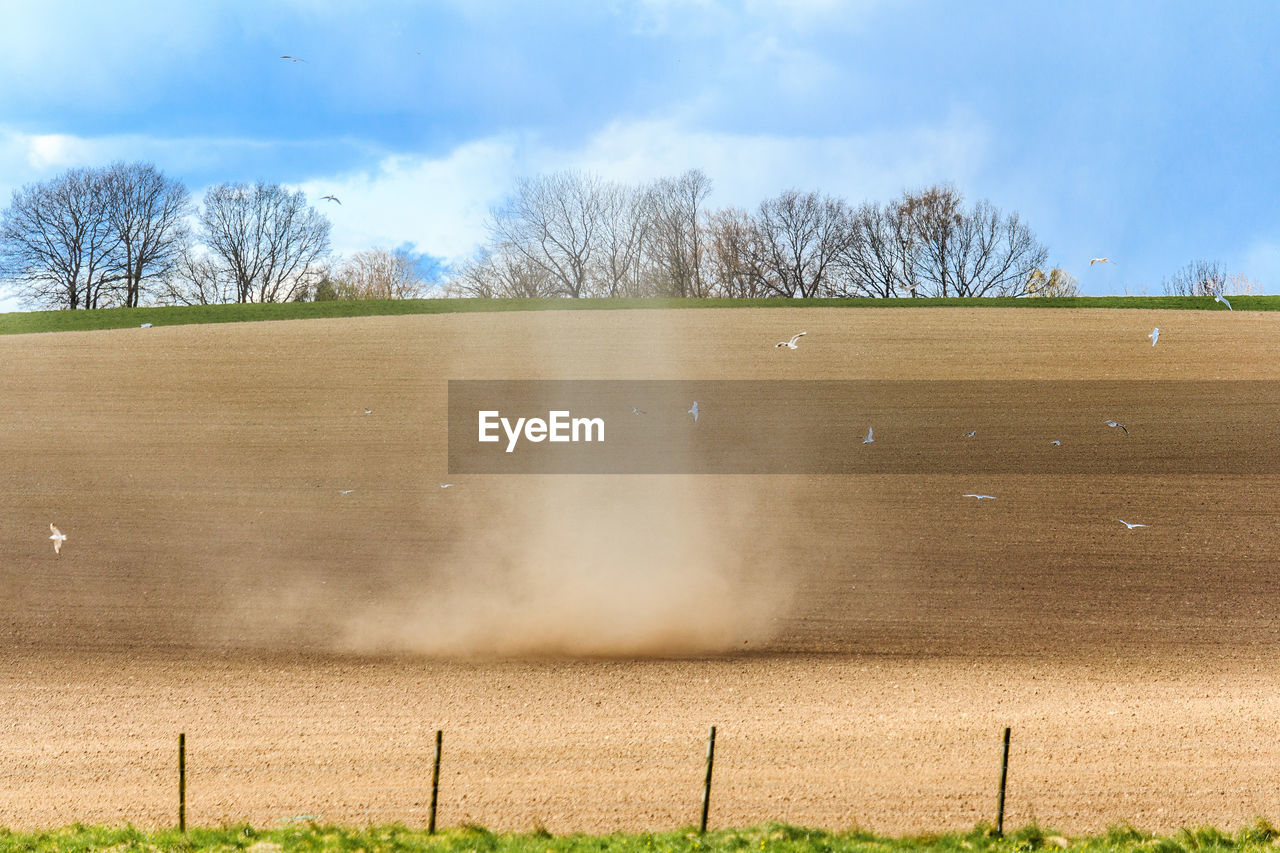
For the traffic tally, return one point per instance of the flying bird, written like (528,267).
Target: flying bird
(791,344)
(980,497)
(1220,298)
(868,439)
(446,485)
(58,538)
(145,326)
(638,411)
(1155,335)
(368,411)
(1118,424)
(971,433)
(330,198)
(292,58)
(1056,443)
(1129,524)
(345,491)
(694,411)
(1093,261)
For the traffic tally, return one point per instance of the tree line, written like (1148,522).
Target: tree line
(574,234)
(126,235)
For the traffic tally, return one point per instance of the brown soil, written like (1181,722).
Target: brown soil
(860,641)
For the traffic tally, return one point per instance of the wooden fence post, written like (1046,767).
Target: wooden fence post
(706,789)
(1004,775)
(435,783)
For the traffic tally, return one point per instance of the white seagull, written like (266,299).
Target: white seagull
(639,411)
(1093,261)
(1111,423)
(1155,335)
(345,491)
(446,485)
(980,497)
(58,538)
(1220,298)
(694,411)
(791,344)
(1129,524)
(1056,443)
(145,326)
(368,411)
(868,439)
(293,58)
(331,198)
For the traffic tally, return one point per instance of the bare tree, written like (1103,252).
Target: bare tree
(379,274)
(881,255)
(801,237)
(553,221)
(734,254)
(147,211)
(268,241)
(501,272)
(1197,278)
(57,244)
(933,220)
(675,237)
(624,225)
(979,253)
(1056,282)
(194,279)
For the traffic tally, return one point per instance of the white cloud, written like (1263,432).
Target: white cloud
(439,204)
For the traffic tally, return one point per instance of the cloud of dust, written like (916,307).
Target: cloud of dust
(624,566)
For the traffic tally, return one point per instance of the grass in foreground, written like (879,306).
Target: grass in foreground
(773,838)
(123,318)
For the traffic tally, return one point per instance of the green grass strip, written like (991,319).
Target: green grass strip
(773,838)
(123,318)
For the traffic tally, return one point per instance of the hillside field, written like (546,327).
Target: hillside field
(859,640)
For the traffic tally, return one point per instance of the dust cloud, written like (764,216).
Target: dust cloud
(581,566)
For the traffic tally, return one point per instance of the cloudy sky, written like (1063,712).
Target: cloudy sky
(1143,131)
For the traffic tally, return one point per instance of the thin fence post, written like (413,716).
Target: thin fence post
(1004,775)
(182,782)
(706,789)
(435,783)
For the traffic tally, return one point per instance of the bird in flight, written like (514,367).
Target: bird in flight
(791,344)
(980,497)
(1220,298)
(446,485)
(971,433)
(1118,424)
(58,538)
(345,491)
(330,198)
(868,439)
(1155,335)
(638,411)
(1056,443)
(1093,261)
(1129,524)
(694,411)
(368,411)
(293,58)
(145,326)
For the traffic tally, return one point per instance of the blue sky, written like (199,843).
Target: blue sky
(1142,131)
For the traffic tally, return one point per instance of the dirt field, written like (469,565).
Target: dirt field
(860,641)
